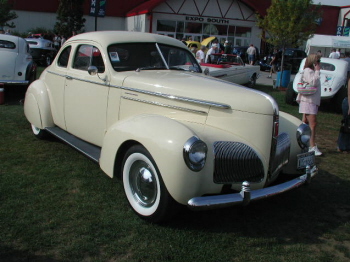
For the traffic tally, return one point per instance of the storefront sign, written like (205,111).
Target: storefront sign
(207,20)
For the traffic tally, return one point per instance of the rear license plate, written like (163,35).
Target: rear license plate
(306,159)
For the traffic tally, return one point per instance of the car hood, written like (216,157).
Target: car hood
(197,88)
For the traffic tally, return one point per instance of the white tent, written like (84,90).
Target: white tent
(325,43)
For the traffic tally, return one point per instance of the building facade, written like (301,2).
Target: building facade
(232,20)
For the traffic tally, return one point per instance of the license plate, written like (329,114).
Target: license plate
(306,159)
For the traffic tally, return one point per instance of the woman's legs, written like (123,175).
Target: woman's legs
(312,121)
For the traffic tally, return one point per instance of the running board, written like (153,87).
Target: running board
(91,151)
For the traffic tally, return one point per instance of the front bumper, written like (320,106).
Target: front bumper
(246,196)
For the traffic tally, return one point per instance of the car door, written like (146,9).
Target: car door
(86,95)
(8,54)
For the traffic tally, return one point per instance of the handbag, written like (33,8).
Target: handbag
(345,125)
(306,89)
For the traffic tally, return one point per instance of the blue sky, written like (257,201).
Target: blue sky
(333,2)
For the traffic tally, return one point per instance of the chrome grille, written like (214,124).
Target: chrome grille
(236,162)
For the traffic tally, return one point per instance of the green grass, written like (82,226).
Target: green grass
(57,205)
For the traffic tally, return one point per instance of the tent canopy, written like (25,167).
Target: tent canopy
(325,43)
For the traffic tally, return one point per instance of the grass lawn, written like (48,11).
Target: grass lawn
(57,205)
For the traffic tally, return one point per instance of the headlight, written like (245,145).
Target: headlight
(195,153)
(303,135)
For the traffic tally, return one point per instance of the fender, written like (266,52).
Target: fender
(164,138)
(37,105)
(289,125)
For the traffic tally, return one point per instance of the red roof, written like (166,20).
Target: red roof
(144,8)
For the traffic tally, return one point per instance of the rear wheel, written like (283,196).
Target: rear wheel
(39,133)
(48,60)
(144,187)
(338,99)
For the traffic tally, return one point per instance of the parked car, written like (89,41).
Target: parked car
(16,63)
(292,60)
(42,50)
(139,105)
(231,68)
(293,57)
(333,82)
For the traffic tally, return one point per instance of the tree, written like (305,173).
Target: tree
(6,14)
(70,17)
(289,23)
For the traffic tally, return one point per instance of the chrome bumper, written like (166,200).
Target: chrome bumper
(15,82)
(246,196)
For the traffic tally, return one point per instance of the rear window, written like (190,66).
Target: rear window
(7,44)
(327,67)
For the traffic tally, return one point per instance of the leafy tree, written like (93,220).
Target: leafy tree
(289,23)
(70,17)
(6,14)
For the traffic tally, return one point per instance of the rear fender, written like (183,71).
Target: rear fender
(37,105)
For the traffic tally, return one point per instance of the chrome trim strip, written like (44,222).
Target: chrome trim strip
(164,105)
(79,79)
(167,96)
(179,98)
(221,201)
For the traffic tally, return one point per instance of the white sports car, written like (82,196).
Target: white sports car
(333,82)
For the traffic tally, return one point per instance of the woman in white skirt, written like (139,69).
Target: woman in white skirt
(308,104)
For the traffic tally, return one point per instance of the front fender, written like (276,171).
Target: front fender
(289,125)
(164,138)
(37,105)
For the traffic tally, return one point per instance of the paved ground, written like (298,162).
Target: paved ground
(263,80)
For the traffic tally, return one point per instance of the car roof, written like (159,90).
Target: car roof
(10,37)
(107,38)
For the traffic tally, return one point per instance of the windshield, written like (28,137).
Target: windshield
(151,56)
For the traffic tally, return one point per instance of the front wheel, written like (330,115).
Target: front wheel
(144,187)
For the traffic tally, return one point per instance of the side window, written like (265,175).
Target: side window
(88,55)
(7,44)
(64,57)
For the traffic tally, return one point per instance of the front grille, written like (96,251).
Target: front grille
(236,162)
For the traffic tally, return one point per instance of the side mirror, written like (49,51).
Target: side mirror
(92,70)
(206,71)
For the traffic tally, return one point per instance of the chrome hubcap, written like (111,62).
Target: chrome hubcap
(143,183)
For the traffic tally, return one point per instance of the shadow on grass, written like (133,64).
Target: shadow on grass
(10,255)
(299,216)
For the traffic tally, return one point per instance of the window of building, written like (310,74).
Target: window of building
(166,25)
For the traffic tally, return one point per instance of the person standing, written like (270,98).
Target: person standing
(200,55)
(274,62)
(251,51)
(343,142)
(337,53)
(333,54)
(308,104)
(227,47)
(212,50)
